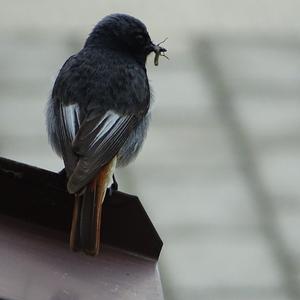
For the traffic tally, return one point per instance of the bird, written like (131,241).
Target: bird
(97,117)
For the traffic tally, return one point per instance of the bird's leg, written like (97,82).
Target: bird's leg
(114,186)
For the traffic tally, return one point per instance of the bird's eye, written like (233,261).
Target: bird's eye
(139,38)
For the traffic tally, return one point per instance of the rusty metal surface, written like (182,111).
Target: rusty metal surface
(36,263)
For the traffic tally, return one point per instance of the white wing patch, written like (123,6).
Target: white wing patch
(71,119)
(108,120)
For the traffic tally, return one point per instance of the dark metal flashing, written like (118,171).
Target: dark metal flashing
(39,196)
(35,259)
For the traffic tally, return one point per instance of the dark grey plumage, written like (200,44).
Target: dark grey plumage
(98,115)
(99,105)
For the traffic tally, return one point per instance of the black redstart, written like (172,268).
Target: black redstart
(98,114)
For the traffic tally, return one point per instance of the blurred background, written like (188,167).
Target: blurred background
(219,173)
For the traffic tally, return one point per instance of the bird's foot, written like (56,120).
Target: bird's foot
(114,187)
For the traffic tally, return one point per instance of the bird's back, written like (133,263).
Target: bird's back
(97,80)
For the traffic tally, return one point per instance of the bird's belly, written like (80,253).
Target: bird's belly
(132,146)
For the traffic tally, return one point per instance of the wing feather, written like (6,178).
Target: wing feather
(97,142)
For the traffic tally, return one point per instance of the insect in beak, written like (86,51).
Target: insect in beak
(159,51)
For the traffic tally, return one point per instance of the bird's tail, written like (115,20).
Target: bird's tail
(86,222)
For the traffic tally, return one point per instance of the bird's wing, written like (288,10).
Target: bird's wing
(71,120)
(98,140)
(68,122)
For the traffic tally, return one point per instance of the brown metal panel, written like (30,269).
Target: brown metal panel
(35,259)
(36,263)
(39,196)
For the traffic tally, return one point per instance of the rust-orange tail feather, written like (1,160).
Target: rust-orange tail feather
(86,222)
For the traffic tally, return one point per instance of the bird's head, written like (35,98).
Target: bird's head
(124,33)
